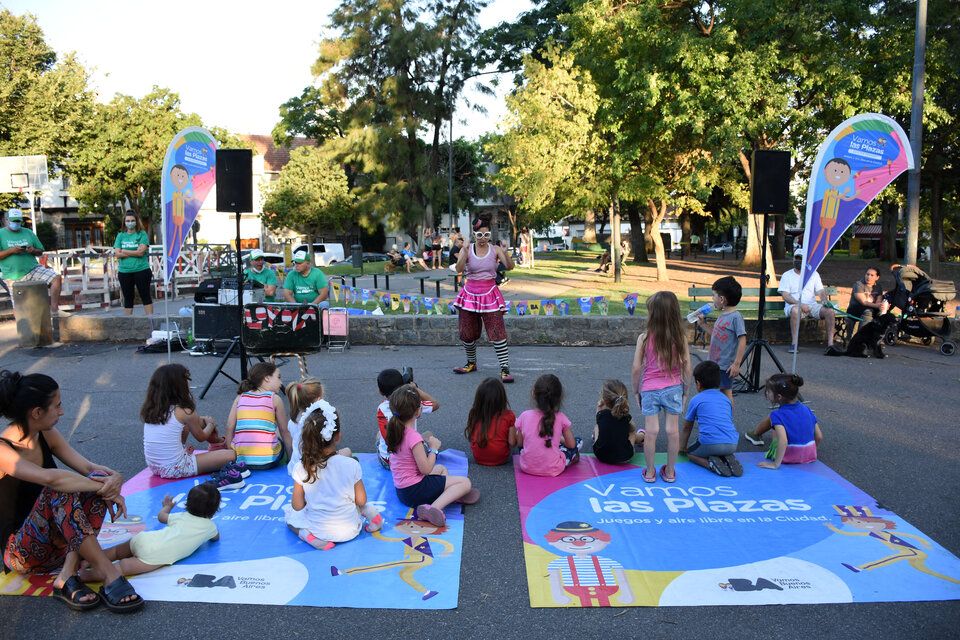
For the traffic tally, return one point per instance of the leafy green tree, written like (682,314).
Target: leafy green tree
(310,196)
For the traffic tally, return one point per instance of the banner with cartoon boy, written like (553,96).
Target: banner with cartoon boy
(856,162)
(599,536)
(189,172)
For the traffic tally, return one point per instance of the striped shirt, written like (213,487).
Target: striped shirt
(582,571)
(256,438)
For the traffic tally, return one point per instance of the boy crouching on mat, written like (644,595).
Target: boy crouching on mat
(713,413)
(389,381)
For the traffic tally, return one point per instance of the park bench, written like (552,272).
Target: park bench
(437,276)
(774,304)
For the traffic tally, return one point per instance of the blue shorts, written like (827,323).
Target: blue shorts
(669,399)
(725,381)
(424,492)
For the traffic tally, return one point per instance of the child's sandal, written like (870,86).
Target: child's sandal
(647,478)
(664,477)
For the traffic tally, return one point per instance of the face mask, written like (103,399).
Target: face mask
(13,226)
(131,224)
(796,264)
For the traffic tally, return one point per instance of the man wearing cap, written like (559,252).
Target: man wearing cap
(305,284)
(266,276)
(803,304)
(583,574)
(19,249)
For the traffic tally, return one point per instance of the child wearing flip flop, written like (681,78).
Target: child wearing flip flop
(186,531)
(544,433)
(798,433)
(661,363)
(713,413)
(329,500)
(420,482)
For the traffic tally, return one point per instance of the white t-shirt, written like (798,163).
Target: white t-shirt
(331,511)
(296,433)
(790,283)
(162,446)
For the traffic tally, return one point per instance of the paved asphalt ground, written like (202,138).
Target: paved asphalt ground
(891,428)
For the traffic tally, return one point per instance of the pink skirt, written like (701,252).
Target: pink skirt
(481,296)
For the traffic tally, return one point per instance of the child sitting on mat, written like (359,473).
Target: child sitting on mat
(301,395)
(329,500)
(420,482)
(257,425)
(185,532)
(389,381)
(548,445)
(713,413)
(798,433)
(614,435)
(169,416)
(489,423)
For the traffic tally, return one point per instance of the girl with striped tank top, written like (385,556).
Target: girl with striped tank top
(257,427)
(661,363)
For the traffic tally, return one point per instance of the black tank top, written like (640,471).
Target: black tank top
(18,497)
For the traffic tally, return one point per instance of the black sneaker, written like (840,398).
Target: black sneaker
(733,464)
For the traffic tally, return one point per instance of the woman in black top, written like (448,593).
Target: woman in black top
(614,437)
(50,517)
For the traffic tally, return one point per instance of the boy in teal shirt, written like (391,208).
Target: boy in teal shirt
(266,276)
(19,249)
(305,284)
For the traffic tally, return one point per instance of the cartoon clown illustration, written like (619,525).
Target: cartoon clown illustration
(880,528)
(583,574)
(836,173)
(417,553)
(180,178)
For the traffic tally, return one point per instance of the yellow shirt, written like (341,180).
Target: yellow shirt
(182,536)
(831,204)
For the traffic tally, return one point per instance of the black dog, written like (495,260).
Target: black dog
(869,336)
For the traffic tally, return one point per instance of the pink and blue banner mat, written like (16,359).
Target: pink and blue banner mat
(599,536)
(856,162)
(189,172)
(408,564)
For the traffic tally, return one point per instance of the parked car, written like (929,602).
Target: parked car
(549,244)
(324,253)
(723,247)
(371,256)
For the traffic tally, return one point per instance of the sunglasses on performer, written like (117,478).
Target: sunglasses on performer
(483,234)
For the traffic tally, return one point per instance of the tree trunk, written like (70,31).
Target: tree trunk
(657,216)
(638,247)
(779,238)
(888,232)
(615,249)
(936,228)
(590,226)
(685,234)
(603,225)
(751,255)
(647,233)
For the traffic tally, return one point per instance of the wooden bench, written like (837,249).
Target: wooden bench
(773,305)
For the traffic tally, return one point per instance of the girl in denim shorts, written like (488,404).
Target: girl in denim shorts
(661,362)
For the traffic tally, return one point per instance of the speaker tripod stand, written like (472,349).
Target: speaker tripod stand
(235,345)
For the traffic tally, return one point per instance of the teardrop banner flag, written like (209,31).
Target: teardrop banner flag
(856,162)
(189,172)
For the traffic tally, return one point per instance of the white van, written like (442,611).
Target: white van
(324,253)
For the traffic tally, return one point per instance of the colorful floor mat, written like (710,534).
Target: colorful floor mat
(408,565)
(598,535)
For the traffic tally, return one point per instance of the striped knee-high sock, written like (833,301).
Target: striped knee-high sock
(471,349)
(503,353)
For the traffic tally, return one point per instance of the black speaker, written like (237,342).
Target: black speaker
(235,180)
(771,182)
(215,322)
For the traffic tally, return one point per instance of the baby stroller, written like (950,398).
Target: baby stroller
(922,302)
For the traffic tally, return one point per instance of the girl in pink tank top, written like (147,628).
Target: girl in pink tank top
(661,363)
(480,301)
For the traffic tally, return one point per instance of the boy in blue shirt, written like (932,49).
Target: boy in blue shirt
(713,413)
(728,338)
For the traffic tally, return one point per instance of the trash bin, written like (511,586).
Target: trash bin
(356,254)
(31,309)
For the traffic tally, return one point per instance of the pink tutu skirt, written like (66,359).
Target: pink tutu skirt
(480,296)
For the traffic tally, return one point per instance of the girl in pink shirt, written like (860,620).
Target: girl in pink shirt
(421,482)
(544,433)
(661,363)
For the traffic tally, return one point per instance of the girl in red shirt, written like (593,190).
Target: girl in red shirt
(488,424)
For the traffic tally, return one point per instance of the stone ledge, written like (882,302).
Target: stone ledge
(425,330)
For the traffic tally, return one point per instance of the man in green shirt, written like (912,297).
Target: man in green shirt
(19,249)
(264,275)
(306,283)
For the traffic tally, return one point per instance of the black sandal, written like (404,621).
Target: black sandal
(116,591)
(73,590)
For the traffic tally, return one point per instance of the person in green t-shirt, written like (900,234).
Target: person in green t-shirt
(262,274)
(306,283)
(132,246)
(19,249)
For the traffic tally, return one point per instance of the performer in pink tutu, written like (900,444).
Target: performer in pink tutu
(480,300)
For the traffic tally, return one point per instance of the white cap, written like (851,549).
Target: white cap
(14,214)
(256,254)
(300,256)
(798,252)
